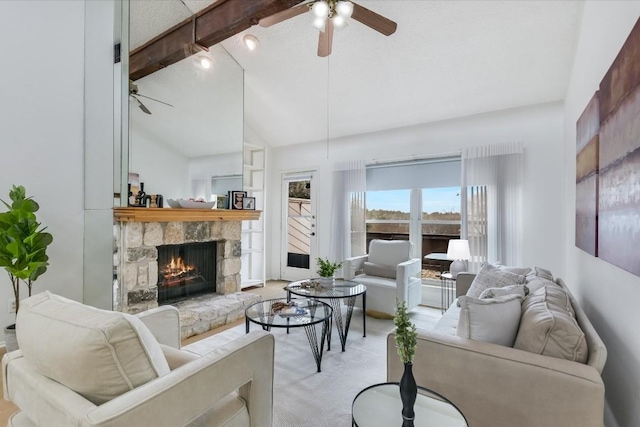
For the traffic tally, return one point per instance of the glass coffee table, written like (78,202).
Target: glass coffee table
(380,406)
(343,290)
(303,313)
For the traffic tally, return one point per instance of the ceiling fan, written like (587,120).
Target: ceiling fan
(133,93)
(330,14)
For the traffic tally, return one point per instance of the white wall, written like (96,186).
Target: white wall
(41,130)
(162,169)
(607,293)
(539,128)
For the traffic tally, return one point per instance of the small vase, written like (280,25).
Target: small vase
(408,393)
(327,282)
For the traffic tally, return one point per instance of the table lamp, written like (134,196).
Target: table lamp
(458,251)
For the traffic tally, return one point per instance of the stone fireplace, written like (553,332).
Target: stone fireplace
(143,235)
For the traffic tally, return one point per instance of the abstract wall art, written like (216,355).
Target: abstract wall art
(608,163)
(587,140)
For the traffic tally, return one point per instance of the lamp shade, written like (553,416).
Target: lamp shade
(458,249)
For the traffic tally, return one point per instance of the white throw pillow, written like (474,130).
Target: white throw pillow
(490,320)
(99,354)
(521,290)
(491,276)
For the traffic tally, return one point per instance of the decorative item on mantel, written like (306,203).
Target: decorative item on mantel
(327,270)
(406,341)
(23,249)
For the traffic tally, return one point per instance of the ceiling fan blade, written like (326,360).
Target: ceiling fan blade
(141,105)
(153,99)
(326,39)
(373,20)
(284,15)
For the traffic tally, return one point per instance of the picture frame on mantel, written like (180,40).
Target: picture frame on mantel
(236,200)
(249,203)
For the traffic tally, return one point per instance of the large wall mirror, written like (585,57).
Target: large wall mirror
(185,120)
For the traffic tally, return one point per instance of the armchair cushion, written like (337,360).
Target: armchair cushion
(373,269)
(389,252)
(110,352)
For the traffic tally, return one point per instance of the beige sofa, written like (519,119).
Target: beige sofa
(497,386)
(80,366)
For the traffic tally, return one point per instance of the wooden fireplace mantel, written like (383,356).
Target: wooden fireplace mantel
(170,215)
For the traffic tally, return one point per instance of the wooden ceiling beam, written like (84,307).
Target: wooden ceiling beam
(216,23)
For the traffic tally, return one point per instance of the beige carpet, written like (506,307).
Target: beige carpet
(304,397)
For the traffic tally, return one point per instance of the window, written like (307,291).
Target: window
(417,201)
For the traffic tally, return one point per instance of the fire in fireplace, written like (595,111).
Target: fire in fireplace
(185,271)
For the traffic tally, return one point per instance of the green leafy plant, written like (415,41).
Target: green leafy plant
(406,335)
(327,268)
(23,242)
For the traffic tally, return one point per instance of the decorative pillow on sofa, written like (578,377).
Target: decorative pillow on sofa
(491,276)
(539,278)
(97,353)
(490,320)
(521,290)
(548,326)
(544,274)
(516,270)
(379,270)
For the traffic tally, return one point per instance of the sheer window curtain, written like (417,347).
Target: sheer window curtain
(348,221)
(492,179)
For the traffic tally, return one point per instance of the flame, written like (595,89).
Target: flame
(177,267)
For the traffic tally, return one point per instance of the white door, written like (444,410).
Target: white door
(299,242)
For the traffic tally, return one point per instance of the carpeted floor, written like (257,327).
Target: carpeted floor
(304,397)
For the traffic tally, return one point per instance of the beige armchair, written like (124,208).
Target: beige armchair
(389,273)
(80,366)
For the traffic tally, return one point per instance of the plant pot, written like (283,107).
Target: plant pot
(408,394)
(10,340)
(327,282)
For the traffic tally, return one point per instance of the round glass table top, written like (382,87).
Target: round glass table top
(380,406)
(340,289)
(280,313)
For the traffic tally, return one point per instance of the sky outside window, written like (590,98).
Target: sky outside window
(433,200)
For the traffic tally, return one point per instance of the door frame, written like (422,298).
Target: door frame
(294,273)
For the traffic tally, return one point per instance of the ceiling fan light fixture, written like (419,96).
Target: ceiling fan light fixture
(344,9)
(251,42)
(320,23)
(339,22)
(320,9)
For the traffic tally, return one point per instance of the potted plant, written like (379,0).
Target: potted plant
(326,270)
(406,341)
(23,248)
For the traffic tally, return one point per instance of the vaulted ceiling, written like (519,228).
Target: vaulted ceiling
(447,59)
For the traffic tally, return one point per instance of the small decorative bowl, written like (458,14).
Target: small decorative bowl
(190,204)
(173,203)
